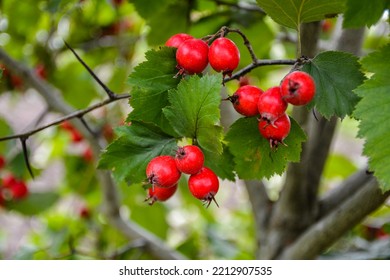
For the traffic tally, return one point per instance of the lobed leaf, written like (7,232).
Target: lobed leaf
(373,111)
(253,156)
(151,81)
(336,75)
(194,111)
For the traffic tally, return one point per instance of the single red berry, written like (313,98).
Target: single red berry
(2,161)
(9,180)
(189,159)
(76,136)
(19,190)
(275,132)
(162,171)
(191,56)
(224,56)
(160,194)
(17,82)
(326,25)
(298,88)
(176,40)
(85,212)
(245,100)
(271,104)
(88,154)
(204,185)
(40,71)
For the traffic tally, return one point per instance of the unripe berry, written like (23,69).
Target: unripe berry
(204,185)
(189,159)
(298,88)
(271,105)
(191,56)
(161,171)
(224,56)
(176,40)
(245,100)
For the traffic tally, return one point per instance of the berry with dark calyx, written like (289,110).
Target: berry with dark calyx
(191,56)
(245,100)
(271,104)
(160,194)
(189,159)
(162,171)
(204,185)
(224,56)
(275,132)
(298,88)
(176,40)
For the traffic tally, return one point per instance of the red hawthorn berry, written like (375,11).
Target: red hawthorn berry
(40,71)
(204,185)
(192,56)
(85,212)
(9,180)
(176,40)
(189,159)
(271,105)
(245,100)
(162,171)
(156,193)
(88,154)
(19,190)
(224,56)
(275,132)
(298,88)
(76,136)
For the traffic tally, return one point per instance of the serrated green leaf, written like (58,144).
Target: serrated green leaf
(151,81)
(128,155)
(194,110)
(253,156)
(34,203)
(374,114)
(221,164)
(363,12)
(336,75)
(292,13)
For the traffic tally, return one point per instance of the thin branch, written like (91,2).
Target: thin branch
(75,114)
(329,229)
(109,92)
(25,156)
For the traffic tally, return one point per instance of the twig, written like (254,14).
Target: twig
(75,114)
(25,155)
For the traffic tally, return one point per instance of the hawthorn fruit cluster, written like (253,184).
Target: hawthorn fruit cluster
(163,173)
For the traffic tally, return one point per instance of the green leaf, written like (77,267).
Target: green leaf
(336,75)
(194,110)
(292,13)
(253,156)
(151,81)
(221,164)
(374,114)
(363,12)
(128,155)
(34,203)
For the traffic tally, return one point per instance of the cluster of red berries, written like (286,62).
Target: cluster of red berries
(297,88)
(193,55)
(12,188)
(163,173)
(15,81)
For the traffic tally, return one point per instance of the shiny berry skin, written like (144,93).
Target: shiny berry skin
(191,56)
(176,40)
(160,194)
(204,185)
(271,104)
(189,159)
(19,190)
(245,100)
(277,131)
(161,171)
(298,88)
(224,56)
